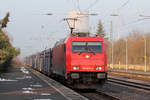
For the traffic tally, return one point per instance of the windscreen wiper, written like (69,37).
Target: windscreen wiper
(90,49)
(86,48)
(80,53)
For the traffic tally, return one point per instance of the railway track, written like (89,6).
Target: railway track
(97,95)
(100,95)
(130,83)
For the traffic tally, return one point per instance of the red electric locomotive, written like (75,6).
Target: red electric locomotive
(80,61)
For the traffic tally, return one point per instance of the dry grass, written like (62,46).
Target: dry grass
(130,67)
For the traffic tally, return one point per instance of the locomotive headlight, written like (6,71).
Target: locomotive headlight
(75,68)
(87,56)
(98,68)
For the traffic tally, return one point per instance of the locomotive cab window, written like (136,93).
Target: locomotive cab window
(87,46)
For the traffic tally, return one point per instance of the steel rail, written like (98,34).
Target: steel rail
(97,94)
(130,83)
(107,95)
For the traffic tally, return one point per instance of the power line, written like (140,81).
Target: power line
(133,22)
(144,16)
(124,4)
(143,19)
(92,4)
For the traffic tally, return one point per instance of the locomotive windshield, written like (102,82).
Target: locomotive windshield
(86,46)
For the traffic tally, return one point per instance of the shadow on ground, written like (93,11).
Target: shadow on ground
(5,69)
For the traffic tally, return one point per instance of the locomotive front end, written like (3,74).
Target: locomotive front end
(87,57)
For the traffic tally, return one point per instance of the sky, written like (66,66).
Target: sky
(32,31)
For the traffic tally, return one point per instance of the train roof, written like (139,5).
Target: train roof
(85,39)
(64,40)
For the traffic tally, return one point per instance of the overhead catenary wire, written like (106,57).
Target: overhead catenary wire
(143,19)
(92,4)
(131,23)
(144,16)
(124,4)
(138,20)
(135,20)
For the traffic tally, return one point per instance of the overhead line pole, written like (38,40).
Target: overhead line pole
(112,44)
(118,25)
(126,54)
(145,47)
(145,56)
